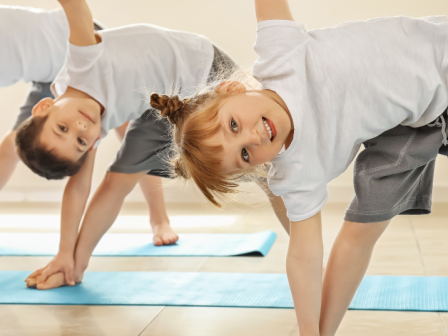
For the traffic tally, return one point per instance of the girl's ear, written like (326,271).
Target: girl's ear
(231,87)
(42,108)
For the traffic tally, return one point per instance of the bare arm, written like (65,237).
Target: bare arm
(74,202)
(101,213)
(80,21)
(272,10)
(8,158)
(304,269)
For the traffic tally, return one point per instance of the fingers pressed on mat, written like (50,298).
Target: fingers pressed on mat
(35,274)
(53,281)
(31,282)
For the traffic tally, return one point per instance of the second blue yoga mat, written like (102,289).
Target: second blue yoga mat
(140,244)
(413,293)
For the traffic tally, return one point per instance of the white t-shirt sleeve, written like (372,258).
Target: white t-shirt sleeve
(82,70)
(302,205)
(274,43)
(302,186)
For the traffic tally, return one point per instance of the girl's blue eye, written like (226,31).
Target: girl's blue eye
(62,128)
(233,125)
(245,155)
(81,142)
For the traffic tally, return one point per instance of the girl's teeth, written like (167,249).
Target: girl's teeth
(268,128)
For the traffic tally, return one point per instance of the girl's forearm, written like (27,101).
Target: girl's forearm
(304,270)
(305,281)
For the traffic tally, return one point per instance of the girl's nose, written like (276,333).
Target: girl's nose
(254,138)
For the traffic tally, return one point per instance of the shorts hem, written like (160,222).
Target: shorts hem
(135,170)
(419,206)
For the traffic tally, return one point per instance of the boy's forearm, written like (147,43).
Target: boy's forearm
(102,211)
(272,10)
(304,270)
(74,203)
(73,206)
(80,20)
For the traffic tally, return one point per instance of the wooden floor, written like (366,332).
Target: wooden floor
(411,246)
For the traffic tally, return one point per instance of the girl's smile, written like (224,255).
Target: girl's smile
(255,125)
(270,127)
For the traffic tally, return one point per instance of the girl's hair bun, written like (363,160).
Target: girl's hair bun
(170,107)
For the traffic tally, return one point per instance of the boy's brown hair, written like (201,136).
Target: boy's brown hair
(40,160)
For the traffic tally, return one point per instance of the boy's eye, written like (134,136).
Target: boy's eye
(81,142)
(233,125)
(62,128)
(245,155)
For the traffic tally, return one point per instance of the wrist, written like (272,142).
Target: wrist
(81,262)
(65,252)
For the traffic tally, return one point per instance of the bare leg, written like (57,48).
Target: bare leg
(348,262)
(8,158)
(277,205)
(153,191)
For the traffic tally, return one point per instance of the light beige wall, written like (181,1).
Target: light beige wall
(231,25)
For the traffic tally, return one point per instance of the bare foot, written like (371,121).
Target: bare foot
(164,234)
(53,281)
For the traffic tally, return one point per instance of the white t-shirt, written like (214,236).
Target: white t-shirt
(344,85)
(132,61)
(32,44)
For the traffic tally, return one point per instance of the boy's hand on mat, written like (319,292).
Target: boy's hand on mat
(62,263)
(78,274)
(53,281)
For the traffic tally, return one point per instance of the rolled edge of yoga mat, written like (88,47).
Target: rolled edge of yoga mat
(140,244)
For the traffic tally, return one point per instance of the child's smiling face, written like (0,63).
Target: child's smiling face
(72,127)
(254,127)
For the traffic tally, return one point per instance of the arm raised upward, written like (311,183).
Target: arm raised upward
(80,21)
(272,10)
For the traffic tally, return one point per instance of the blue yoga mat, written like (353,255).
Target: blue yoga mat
(140,244)
(221,290)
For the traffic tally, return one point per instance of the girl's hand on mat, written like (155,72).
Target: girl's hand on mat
(63,263)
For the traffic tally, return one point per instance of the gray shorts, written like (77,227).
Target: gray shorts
(394,174)
(146,145)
